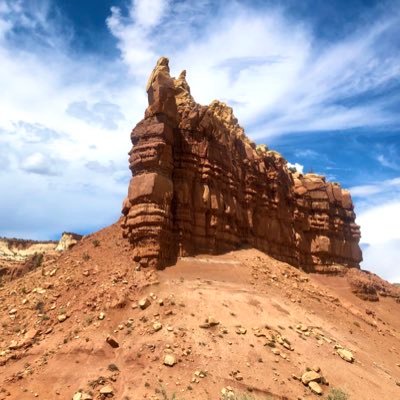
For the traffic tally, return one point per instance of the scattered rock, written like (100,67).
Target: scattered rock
(108,389)
(157,326)
(347,355)
(62,318)
(112,342)
(241,331)
(209,322)
(144,303)
(169,360)
(315,388)
(310,376)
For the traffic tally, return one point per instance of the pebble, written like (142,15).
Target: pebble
(310,376)
(62,318)
(108,389)
(346,355)
(112,342)
(157,326)
(315,388)
(144,303)
(169,360)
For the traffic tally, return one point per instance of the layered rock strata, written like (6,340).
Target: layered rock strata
(199,185)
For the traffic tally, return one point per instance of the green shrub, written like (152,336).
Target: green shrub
(37,260)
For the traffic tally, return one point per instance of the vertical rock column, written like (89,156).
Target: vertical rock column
(148,222)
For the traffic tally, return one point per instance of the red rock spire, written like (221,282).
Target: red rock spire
(199,185)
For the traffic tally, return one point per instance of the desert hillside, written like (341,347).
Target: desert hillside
(95,325)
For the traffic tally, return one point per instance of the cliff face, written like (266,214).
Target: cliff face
(199,185)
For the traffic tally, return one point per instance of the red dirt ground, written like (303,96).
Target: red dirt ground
(257,301)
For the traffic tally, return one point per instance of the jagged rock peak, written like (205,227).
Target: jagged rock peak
(199,185)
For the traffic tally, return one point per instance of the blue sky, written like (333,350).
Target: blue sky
(318,81)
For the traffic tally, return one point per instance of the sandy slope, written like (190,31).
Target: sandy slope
(257,301)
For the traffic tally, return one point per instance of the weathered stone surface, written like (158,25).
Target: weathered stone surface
(315,388)
(112,342)
(68,240)
(310,376)
(169,360)
(200,185)
(347,355)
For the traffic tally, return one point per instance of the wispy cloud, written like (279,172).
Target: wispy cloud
(295,85)
(388,185)
(105,114)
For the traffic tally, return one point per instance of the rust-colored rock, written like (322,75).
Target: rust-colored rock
(200,185)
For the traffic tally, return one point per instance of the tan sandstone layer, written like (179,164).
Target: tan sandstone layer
(18,256)
(200,185)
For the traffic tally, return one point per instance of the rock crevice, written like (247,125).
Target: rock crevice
(199,185)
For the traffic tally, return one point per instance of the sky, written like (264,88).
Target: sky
(318,81)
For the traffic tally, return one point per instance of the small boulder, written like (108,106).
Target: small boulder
(315,388)
(169,360)
(62,318)
(310,376)
(112,342)
(347,355)
(144,303)
(157,326)
(108,389)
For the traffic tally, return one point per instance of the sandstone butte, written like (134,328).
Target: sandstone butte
(87,322)
(200,185)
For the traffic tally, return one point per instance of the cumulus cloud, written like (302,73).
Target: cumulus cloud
(297,166)
(384,258)
(381,238)
(105,114)
(38,163)
(34,132)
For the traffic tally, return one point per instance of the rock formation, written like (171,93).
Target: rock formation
(199,185)
(19,256)
(68,240)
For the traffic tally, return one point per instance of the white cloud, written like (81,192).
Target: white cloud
(385,187)
(380,223)
(38,163)
(388,163)
(384,259)
(381,236)
(148,13)
(299,167)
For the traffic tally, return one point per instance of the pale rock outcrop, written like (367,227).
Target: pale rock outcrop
(67,241)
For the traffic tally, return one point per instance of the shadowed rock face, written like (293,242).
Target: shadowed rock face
(199,185)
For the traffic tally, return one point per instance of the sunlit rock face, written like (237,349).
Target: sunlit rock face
(199,185)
